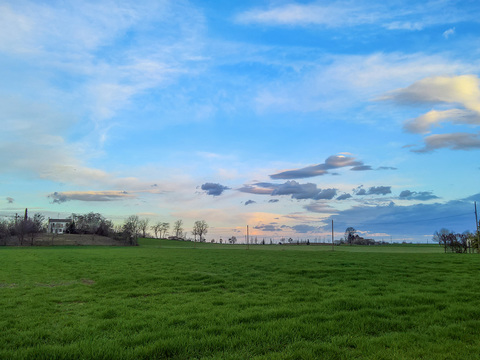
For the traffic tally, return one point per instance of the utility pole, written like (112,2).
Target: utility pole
(247,238)
(476,218)
(476,223)
(332,237)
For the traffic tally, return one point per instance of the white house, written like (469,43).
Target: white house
(57,226)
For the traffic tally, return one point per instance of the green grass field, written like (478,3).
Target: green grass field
(165,299)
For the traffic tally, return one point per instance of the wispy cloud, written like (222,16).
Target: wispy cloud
(391,16)
(320,207)
(447,33)
(453,141)
(291,188)
(374,190)
(334,15)
(460,93)
(61,197)
(332,162)
(414,195)
(268,228)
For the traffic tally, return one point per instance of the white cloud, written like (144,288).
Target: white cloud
(463,90)
(460,93)
(425,122)
(447,33)
(335,14)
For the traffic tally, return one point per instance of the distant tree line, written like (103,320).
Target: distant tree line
(456,242)
(22,230)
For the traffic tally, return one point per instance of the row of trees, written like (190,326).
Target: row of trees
(22,230)
(456,242)
(133,227)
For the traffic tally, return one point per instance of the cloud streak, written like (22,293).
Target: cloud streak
(338,14)
(414,195)
(290,188)
(460,93)
(454,141)
(61,197)
(332,162)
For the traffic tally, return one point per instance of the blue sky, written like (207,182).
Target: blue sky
(280,115)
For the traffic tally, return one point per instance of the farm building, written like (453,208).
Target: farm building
(57,226)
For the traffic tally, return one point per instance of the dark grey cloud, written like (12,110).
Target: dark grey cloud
(472,198)
(61,197)
(303,229)
(361,168)
(361,192)
(10,200)
(290,188)
(414,195)
(380,190)
(273,200)
(248,202)
(453,141)
(214,189)
(326,194)
(297,190)
(268,227)
(374,190)
(344,197)
(418,220)
(332,162)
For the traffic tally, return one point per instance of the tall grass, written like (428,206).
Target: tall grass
(165,299)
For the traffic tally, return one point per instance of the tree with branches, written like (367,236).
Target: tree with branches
(178,228)
(200,228)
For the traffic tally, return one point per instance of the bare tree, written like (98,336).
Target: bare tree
(164,229)
(178,228)
(131,229)
(160,229)
(200,228)
(143,226)
(155,229)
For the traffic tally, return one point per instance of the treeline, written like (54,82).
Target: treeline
(22,230)
(458,242)
(96,224)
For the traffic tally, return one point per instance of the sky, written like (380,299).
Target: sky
(279,115)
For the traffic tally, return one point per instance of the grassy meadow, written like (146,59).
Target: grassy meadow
(165,299)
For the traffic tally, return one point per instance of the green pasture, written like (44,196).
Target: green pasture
(165,299)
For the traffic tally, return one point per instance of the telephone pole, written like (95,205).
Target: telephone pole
(476,218)
(332,237)
(247,238)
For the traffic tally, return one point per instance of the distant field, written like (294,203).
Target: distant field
(165,299)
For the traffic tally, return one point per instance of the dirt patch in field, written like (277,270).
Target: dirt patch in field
(4,285)
(75,240)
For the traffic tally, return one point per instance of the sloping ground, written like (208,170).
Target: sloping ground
(71,239)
